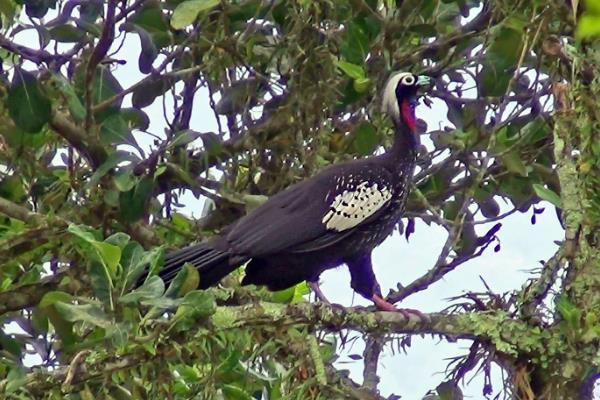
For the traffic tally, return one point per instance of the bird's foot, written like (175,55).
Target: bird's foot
(314,286)
(385,305)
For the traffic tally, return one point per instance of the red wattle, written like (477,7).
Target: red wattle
(408,114)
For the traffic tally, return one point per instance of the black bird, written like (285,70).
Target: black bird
(335,217)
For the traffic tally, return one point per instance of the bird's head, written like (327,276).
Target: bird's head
(400,97)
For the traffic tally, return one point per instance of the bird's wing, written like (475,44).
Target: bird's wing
(316,212)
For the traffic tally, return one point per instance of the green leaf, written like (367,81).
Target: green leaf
(283,296)
(47,309)
(111,162)
(233,392)
(186,280)
(12,346)
(361,85)
(8,8)
(501,57)
(199,303)
(135,118)
(365,138)
(132,204)
(587,26)
(27,106)
(115,130)
(547,194)
(15,381)
(449,391)
(569,312)
(294,294)
(82,232)
(153,288)
(110,255)
(104,87)
(512,161)
(67,34)
(53,297)
(151,17)
(84,313)
(101,282)
(182,138)
(187,12)
(160,304)
(136,261)
(67,91)
(300,290)
(124,181)
(592,7)
(120,239)
(145,94)
(355,46)
(352,70)
(118,334)
(149,50)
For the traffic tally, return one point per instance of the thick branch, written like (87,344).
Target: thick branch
(89,147)
(27,296)
(494,327)
(16,211)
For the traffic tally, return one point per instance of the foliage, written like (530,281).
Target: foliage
(89,189)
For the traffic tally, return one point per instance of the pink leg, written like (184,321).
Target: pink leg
(314,286)
(384,305)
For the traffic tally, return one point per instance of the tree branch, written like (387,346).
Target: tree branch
(88,146)
(535,293)
(26,296)
(373,347)
(494,327)
(16,211)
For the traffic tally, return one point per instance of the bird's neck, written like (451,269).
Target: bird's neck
(404,148)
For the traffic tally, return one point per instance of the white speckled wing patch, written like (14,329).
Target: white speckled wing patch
(351,207)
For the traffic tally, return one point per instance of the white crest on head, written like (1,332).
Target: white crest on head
(390,102)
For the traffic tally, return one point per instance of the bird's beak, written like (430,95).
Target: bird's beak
(423,80)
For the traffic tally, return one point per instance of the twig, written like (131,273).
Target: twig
(100,51)
(74,368)
(439,270)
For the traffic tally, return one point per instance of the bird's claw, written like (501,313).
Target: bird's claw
(384,305)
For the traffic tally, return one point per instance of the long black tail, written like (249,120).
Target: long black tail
(211,264)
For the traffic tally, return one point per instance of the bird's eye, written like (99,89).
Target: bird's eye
(408,80)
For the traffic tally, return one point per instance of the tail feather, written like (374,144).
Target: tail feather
(211,264)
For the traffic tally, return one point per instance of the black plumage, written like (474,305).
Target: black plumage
(335,217)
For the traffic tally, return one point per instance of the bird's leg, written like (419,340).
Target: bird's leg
(385,305)
(364,282)
(314,286)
